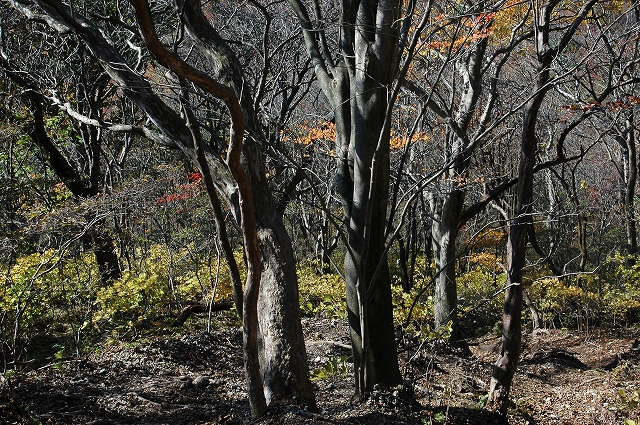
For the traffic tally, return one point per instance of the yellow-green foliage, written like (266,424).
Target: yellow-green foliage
(321,293)
(147,291)
(556,299)
(422,290)
(134,296)
(402,302)
(43,288)
(611,293)
(619,282)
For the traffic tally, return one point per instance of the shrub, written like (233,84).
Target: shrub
(321,293)
(42,290)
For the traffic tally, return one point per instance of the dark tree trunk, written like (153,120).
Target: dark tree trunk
(357,85)
(505,367)
(104,250)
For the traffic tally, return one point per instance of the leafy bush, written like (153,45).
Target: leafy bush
(417,304)
(480,296)
(43,292)
(134,297)
(160,281)
(619,281)
(321,293)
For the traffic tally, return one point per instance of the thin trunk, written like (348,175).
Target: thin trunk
(505,367)
(631,177)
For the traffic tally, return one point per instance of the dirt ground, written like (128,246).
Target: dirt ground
(564,377)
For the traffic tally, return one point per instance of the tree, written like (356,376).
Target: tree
(283,362)
(504,368)
(83,167)
(358,79)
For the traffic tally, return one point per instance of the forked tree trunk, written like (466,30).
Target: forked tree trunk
(257,400)
(358,85)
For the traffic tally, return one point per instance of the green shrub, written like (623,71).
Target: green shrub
(321,293)
(45,292)
(161,280)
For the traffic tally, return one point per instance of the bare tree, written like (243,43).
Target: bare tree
(284,367)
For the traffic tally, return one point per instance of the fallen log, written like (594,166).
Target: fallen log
(200,308)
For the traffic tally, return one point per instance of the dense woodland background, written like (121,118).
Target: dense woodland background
(429,157)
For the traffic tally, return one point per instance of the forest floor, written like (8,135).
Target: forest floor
(565,377)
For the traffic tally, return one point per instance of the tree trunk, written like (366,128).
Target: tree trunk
(630,174)
(176,134)
(369,304)
(283,355)
(448,211)
(505,367)
(357,85)
(444,233)
(104,250)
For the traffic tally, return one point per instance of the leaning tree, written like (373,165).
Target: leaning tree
(109,37)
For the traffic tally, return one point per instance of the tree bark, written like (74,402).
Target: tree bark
(283,354)
(248,226)
(444,233)
(358,85)
(505,367)
(448,206)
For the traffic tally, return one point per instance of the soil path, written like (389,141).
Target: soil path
(564,378)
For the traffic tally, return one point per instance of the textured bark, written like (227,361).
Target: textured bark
(257,400)
(444,233)
(447,208)
(283,353)
(176,134)
(358,86)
